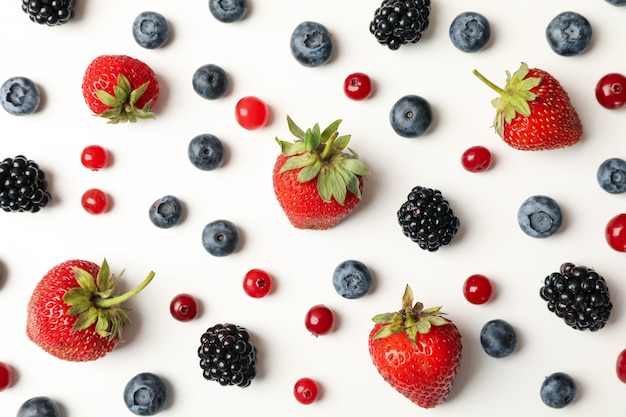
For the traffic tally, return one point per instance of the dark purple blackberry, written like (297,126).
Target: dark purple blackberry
(49,12)
(398,22)
(23,185)
(427,219)
(227,355)
(578,295)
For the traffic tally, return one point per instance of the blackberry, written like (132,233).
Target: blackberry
(578,295)
(23,185)
(227,355)
(49,12)
(398,22)
(427,219)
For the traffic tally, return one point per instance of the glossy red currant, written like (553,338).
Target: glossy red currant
(6,376)
(477,289)
(94,157)
(95,201)
(615,232)
(620,366)
(476,159)
(257,283)
(611,91)
(357,86)
(319,320)
(251,113)
(306,390)
(184,307)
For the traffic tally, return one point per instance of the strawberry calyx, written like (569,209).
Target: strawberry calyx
(321,154)
(514,97)
(96,302)
(412,319)
(123,102)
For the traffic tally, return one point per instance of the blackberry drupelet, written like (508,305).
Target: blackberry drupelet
(49,12)
(427,219)
(578,295)
(227,355)
(398,22)
(23,185)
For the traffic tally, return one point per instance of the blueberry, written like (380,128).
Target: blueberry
(612,175)
(352,279)
(150,30)
(411,116)
(311,44)
(220,238)
(617,2)
(568,34)
(558,390)
(20,96)
(228,11)
(210,82)
(470,32)
(166,212)
(539,216)
(39,407)
(498,338)
(206,152)
(146,394)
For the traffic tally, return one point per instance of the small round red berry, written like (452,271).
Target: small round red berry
(319,320)
(620,366)
(95,201)
(184,307)
(611,91)
(477,289)
(476,159)
(251,113)
(616,232)
(94,157)
(257,283)
(357,86)
(6,376)
(306,390)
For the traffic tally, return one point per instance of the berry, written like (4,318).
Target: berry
(228,11)
(427,219)
(257,283)
(251,113)
(306,390)
(228,355)
(470,32)
(411,116)
(39,407)
(184,307)
(558,390)
(206,152)
(319,320)
(352,279)
(210,82)
(477,289)
(397,23)
(94,157)
(578,295)
(6,376)
(498,338)
(569,34)
(311,44)
(150,30)
(20,96)
(220,238)
(617,2)
(23,185)
(357,86)
(620,366)
(476,159)
(146,394)
(611,91)
(166,212)
(95,201)
(615,232)
(51,13)
(539,216)
(611,175)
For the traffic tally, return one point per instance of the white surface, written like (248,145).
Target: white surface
(149,160)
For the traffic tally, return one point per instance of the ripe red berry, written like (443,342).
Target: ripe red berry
(251,113)
(620,366)
(477,289)
(357,86)
(611,91)
(95,201)
(616,232)
(476,159)
(94,157)
(306,390)
(184,307)
(257,283)
(319,320)
(6,376)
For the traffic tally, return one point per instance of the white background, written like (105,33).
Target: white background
(149,161)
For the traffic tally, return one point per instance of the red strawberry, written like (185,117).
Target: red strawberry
(120,88)
(417,351)
(316,182)
(534,112)
(74,312)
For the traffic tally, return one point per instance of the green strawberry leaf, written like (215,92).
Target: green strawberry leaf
(295,130)
(298,161)
(330,130)
(291,148)
(341,142)
(309,172)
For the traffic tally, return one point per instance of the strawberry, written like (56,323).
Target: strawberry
(417,351)
(316,182)
(534,112)
(120,88)
(74,312)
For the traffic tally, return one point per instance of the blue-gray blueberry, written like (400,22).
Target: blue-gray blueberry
(569,34)
(146,394)
(311,44)
(470,32)
(558,390)
(540,216)
(220,238)
(206,152)
(228,11)
(411,116)
(611,175)
(39,407)
(151,30)
(352,279)
(166,212)
(210,82)
(498,338)
(20,96)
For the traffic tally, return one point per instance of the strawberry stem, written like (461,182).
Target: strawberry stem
(494,87)
(329,146)
(110,302)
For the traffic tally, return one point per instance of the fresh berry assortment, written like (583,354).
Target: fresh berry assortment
(146,394)
(20,96)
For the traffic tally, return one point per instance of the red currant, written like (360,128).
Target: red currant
(94,157)
(616,232)
(357,86)
(257,283)
(620,366)
(319,320)
(611,91)
(477,289)
(251,113)
(95,201)
(476,159)
(6,376)
(306,390)
(184,307)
